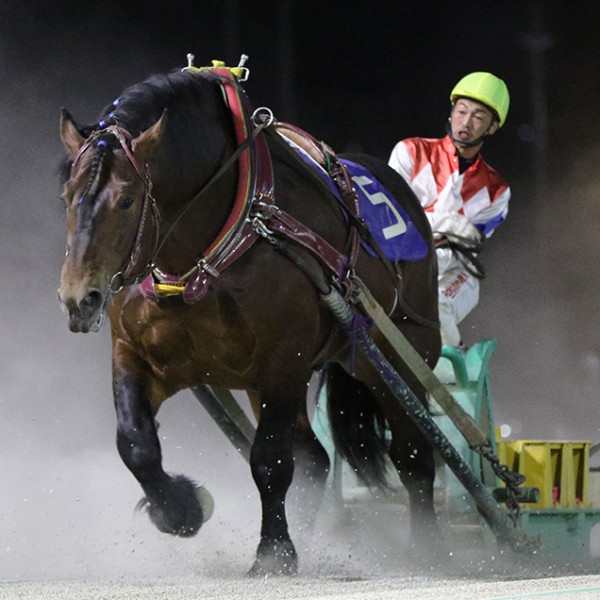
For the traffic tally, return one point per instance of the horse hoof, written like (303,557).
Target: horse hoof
(179,508)
(279,559)
(207,503)
(273,567)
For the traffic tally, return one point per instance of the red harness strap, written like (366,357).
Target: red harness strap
(254,213)
(255,181)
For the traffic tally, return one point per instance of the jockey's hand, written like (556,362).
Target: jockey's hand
(458,225)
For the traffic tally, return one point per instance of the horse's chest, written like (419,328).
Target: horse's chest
(187,346)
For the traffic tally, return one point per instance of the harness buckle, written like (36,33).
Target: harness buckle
(258,218)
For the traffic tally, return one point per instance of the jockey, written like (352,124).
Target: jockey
(463,197)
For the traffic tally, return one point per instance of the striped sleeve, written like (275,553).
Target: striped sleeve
(402,161)
(488,219)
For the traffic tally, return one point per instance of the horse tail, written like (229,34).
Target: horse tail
(357,425)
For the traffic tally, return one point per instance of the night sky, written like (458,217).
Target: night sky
(361,76)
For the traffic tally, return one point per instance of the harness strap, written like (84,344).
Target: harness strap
(325,157)
(279,221)
(463,421)
(255,180)
(318,151)
(149,207)
(339,174)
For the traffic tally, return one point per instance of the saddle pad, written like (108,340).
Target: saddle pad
(386,219)
(388,222)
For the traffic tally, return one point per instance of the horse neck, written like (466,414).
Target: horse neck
(191,217)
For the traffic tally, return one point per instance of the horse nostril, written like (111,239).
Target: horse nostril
(91,303)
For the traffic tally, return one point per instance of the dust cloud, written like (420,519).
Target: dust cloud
(66,501)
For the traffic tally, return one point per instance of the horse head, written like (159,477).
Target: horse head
(110,217)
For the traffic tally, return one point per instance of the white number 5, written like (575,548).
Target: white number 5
(390,231)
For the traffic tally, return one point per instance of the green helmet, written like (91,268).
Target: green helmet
(485,88)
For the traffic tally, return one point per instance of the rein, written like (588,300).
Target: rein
(255,182)
(260,217)
(465,250)
(224,168)
(214,252)
(254,213)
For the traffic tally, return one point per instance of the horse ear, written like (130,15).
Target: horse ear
(144,144)
(69,134)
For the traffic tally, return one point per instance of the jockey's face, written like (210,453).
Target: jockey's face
(470,121)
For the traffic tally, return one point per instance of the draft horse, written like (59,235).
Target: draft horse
(196,295)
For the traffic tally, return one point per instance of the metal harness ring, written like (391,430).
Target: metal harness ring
(262,117)
(111,284)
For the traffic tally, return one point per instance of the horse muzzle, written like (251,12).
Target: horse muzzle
(86,311)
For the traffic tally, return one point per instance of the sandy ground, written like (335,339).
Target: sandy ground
(370,561)
(71,533)
(409,588)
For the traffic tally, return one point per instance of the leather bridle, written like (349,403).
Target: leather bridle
(127,275)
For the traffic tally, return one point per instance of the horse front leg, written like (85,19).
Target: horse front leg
(174,503)
(272,465)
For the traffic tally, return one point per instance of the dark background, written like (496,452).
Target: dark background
(359,75)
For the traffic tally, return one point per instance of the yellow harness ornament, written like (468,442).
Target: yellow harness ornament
(240,72)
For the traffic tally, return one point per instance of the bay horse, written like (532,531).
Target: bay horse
(150,190)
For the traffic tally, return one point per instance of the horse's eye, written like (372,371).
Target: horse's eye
(126,202)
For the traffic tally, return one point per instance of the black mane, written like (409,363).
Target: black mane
(141,105)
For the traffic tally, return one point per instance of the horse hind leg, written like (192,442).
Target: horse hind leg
(413,458)
(173,502)
(357,425)
(412,455)
(359,411)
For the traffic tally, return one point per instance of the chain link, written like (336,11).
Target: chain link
(512,480)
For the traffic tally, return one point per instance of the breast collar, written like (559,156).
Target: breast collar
(255,183)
